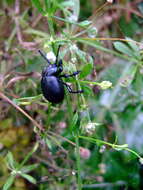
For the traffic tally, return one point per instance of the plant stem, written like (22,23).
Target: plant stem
(21,110)
(78,163)
(28,156)
(70,111)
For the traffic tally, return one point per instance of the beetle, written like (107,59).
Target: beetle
(52,84)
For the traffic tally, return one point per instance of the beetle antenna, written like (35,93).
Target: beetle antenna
(57,54)
(44,56)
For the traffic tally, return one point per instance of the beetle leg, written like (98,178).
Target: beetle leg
(71,75)
(60,66)
(70,89)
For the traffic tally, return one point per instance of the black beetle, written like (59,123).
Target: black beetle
(51,83)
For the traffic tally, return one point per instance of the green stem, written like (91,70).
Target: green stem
(78,163)
(49,116)
(28,156)
(46,5)
(50,21)
(114,146)
(70,112)
(51,28)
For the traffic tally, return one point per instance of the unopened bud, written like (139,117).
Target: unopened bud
(105,85)
(84,153)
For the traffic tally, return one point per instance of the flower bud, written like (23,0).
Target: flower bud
(84,153)
(105,84)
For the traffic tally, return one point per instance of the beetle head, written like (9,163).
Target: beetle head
(53,69)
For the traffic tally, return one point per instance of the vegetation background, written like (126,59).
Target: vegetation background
(92,140)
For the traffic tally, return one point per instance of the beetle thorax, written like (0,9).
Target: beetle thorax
(50,70)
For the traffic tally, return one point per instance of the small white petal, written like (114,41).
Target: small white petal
(51,56)
(72,18)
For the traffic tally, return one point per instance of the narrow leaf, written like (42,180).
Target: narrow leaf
(67,4)
(8,183)
(74,120)
(29,178)
(85,23)
(76,8)
(86,70)
(93,42)
(10,160)
(48,143)
(123,48)
(28,168)
(27,157)
(134,47)
(129,76)
(37,4)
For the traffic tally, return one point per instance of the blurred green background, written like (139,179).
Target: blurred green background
(105,41)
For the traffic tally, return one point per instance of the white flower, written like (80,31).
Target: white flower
(73,59)
(51,56)
(73,173)
(92,32)
(72,18)
(14,172)
(141,160)
(110,1)
(90,128)
(102,148)
(74,47)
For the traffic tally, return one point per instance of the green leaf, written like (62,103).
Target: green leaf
(129,28)
(123,48)
(8,183)
(28,168)
(37,4)
(85,23)
(29,178)
(94,43)
(46,5)
(10,160)
(48,143)
(67,4)
(129,75)
(87,89)
(87,69)
(27,157)
(27,100)
(132,44)
(134,47)
(76,8)
(36,33)
(81,55)
(74,120)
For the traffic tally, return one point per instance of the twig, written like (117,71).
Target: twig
(32,120)
(58,136)
(21,110)
(36,20)
(114,39)
(29,45)
(127,9)
(17,7)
